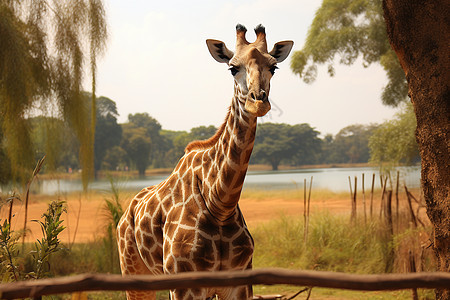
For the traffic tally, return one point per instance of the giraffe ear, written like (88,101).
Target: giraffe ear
(219,51)
(281,50)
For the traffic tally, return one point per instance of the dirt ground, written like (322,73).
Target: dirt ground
(86,217)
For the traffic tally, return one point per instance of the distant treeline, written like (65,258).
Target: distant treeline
(141,143)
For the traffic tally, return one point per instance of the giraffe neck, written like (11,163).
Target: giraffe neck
(230,156)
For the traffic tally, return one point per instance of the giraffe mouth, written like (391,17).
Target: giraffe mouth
(259,108)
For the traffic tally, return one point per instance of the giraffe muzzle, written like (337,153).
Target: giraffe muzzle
(257,103)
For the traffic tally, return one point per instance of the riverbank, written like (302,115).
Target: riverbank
(87,218)
(165,171)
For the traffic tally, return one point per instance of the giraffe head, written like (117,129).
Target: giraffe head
(252,66)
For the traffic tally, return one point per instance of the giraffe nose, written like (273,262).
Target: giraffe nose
(261,96)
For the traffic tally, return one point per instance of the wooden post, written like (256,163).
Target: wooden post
(10,209)
(354,200)
(412,269)
(388,218)
(411,211)
(396,200)
(307,212)
(418,208)
(388,213)
(351,197)
(383,190)
(371,195)
(364,200)
(304,211)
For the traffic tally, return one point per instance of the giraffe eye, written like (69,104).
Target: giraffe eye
(234,70)
(272,69)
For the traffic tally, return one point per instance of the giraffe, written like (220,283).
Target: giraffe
(191,221)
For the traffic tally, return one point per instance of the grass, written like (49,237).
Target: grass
(333,244)
(335,294)
(291,194)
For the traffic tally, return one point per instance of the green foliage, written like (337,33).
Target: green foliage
(350,29)
(51,227)
(12,262)
(160,145)
(296,145)
(350,145)
(113,205)
(108,133)
(8,253)
(394,142)
(114,212)
(272,144)
(137,144)
(115,158)
(334,244)
(144,144)
(182,138)
(54,139)
(42,58)
(5,164)
(146,121)
(202,132)
(176,143)
(306,143)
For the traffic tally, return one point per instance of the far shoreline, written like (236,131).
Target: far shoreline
(167,171)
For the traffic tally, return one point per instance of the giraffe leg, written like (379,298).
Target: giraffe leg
(191,294)
(131,262)
(240,292)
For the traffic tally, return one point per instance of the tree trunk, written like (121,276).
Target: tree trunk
(141,171)
(275,164)
(419,33)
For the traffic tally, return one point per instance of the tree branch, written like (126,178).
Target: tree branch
(92,282)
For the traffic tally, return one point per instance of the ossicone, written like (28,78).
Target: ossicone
(240,35)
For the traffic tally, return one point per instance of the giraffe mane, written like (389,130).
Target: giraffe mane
(205,144)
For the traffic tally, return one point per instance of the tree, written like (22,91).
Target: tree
(107,132)
(350,29)
(394,141)
(350,145)
(202,132)
(419,33)
(42,59)
(176,143)
(115,158)
(146,121)
(137,143)
(49,137)
(327,149)
(273,144)
(306,144)
(159,144)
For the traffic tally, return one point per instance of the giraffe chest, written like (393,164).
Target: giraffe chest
(175,232)
(194,241)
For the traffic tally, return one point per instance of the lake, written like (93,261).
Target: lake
(334,179)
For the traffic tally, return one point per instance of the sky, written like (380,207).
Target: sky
(157,62)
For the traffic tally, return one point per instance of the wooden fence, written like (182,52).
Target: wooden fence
(95,282)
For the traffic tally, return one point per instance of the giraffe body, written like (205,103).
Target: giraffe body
(192,221)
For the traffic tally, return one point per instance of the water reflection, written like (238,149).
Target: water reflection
(335,179)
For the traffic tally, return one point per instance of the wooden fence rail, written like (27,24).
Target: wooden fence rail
(95,282)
